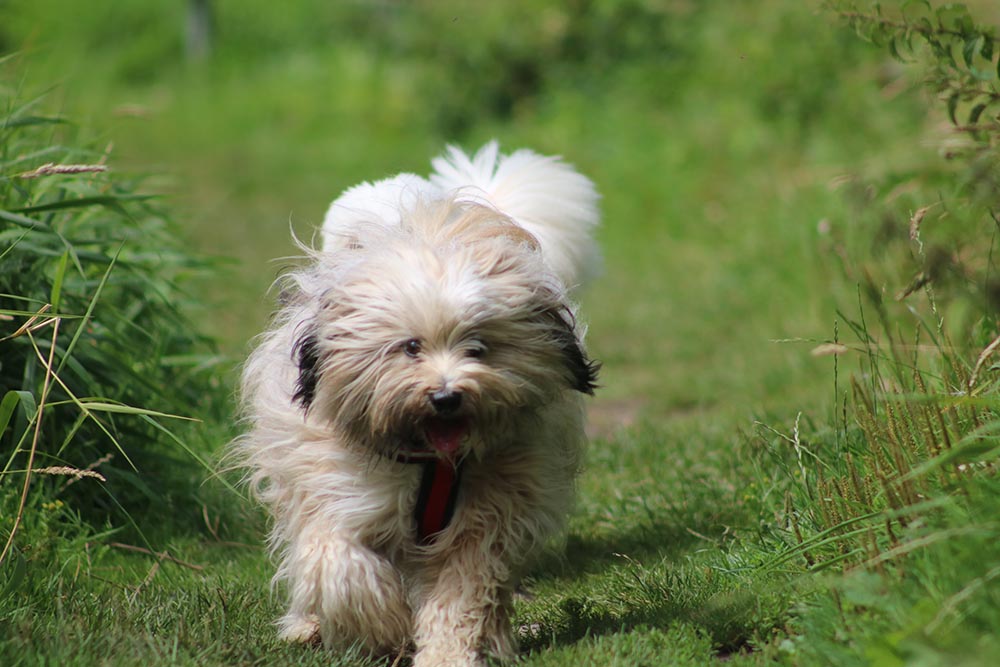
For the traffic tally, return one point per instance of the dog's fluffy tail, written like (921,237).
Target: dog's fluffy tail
(546,196)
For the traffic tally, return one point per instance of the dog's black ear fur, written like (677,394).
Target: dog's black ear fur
(307,355)
(583,370)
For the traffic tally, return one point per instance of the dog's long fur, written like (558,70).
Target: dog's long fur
(458,284)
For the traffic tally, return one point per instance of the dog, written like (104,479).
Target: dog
(416,410)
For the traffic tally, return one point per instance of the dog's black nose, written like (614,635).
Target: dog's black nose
(445,401)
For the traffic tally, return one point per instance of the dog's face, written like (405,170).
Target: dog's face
(437,335)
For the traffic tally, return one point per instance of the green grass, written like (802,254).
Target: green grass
(759,166)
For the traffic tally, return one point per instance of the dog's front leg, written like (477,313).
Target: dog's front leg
(466,611)
(348,592)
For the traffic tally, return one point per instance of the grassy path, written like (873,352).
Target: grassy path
(731,162)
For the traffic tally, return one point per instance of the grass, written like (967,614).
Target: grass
(744,499)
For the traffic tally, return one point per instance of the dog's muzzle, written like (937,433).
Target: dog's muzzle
(446,402)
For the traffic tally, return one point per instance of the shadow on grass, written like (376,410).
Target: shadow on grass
(678,568)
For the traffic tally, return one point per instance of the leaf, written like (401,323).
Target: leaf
(55,296)
(103,406)
(987,49)
(16,575)
(879,33)
(872,31)
(11,400)
(972,46)
(952,106)
(945,51)
(22,220)
(918,14)
(17,235)
(894,49)
(113,202)
(191,452)
(976,112)
(90,307)
(981,74)
(25,121)
(955,18)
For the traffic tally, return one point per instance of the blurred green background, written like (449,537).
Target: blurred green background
(715,131)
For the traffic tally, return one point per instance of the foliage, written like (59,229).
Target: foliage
(951,232)
(902,492)
(98,359)
(505,72)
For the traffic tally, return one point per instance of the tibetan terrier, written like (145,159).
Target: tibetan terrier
(415,412)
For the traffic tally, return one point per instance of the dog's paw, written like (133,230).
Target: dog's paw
(299,629)
(430,657)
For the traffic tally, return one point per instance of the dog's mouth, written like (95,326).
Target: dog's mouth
(445,436)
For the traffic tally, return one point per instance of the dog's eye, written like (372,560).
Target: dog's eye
(476,350)
(412,347)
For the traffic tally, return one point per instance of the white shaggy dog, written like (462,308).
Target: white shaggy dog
(416,413)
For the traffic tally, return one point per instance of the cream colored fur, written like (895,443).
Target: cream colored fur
(474,264)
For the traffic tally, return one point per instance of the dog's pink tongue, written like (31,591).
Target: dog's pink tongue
(446,435)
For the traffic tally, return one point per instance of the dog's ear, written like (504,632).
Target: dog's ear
(306,353)
(582,370)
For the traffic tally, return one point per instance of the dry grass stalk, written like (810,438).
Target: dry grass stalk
(399,656)
(915,220)
(983,356)
(51,168)
(859,488)
(794,520)
(149,577)
(93,466)
(76,473)
(845,492)
(875,550)
(925,413)
(827,349)
(35,436)
(897,450)
(824,509)
(30,325)
(161,555)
